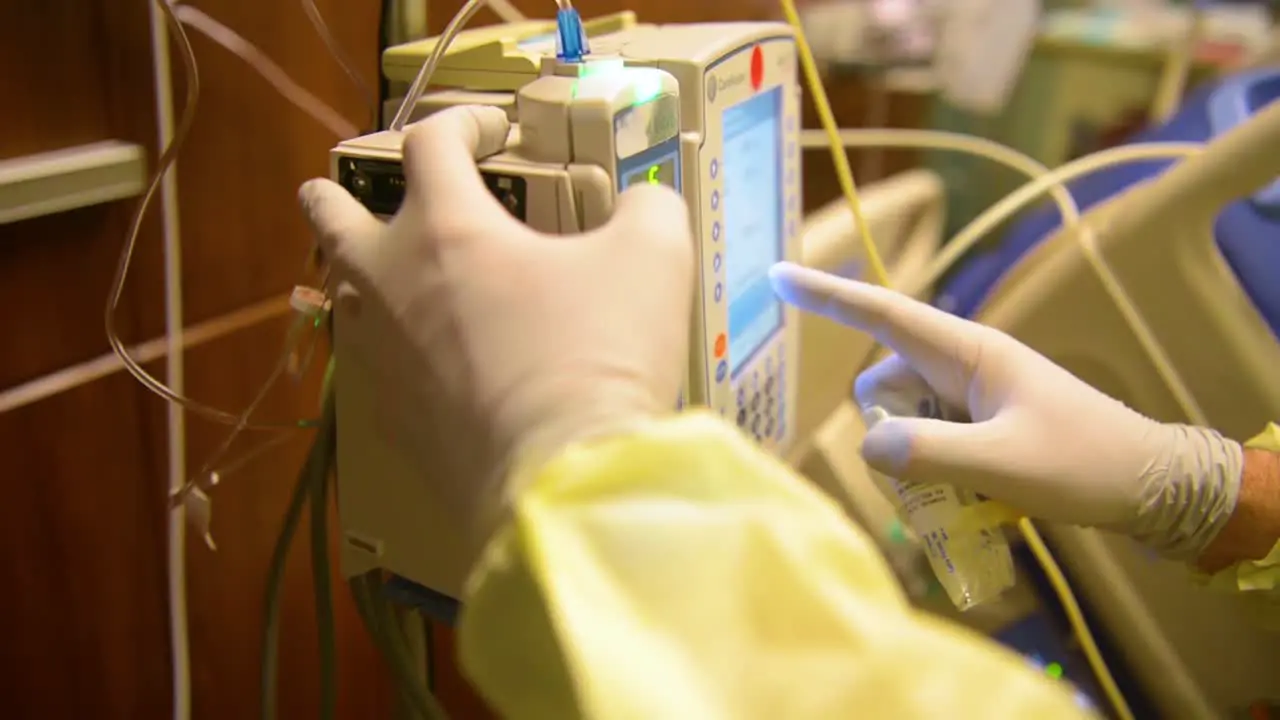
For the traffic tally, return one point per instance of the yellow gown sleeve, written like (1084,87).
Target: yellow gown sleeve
(679,572)
(1257,579)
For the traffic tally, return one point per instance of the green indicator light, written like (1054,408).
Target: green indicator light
(653,175)
(1053,670)
(646,88)
(897,533)
(599,67)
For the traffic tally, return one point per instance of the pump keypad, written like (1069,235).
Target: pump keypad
(761,402)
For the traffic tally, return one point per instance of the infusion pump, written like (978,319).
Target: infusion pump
(711,111)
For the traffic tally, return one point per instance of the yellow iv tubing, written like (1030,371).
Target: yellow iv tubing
(1071,219)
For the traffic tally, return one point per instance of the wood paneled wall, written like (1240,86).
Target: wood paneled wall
(82,528)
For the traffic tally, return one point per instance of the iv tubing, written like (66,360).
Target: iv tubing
(1177,66)
(1050,181)
(1043,181)
(164,164)
(321,572)
(841,159)
(423,78)
(952,142)
(179,636)
(1019,199)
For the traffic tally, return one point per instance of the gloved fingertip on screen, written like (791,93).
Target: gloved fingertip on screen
(787,279)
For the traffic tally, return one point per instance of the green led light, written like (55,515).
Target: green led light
(653,175)
(1053,670)
(897,533)
(647,89)
(599,67)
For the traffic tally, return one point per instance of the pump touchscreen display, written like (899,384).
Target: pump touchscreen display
(753,214)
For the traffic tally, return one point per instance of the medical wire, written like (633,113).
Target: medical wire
(279,80)
(946,141)
(1053,182)
(311,488)
(1041,182)
(270,651)
(367,589)
(1056,577)
(321,576)
(175,374)
(844,174)
(421,81)
(165,164)
(205,477)
(1011,204)
(1177,65)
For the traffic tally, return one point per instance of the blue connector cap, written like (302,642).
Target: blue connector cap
(571,37)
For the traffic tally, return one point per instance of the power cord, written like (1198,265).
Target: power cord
(315,472)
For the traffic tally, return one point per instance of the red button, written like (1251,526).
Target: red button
(757,68)
(720,345)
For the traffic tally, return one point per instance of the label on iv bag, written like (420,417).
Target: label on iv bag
(930,510)
(972,563)
(982,49)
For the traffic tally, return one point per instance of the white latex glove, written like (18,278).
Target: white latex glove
(1039,440)
(490,340)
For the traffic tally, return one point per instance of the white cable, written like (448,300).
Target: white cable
(1013,203)
(179,639)
(423,79)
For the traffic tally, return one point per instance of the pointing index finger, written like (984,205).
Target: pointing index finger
(925,336)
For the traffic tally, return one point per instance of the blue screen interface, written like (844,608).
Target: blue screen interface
(753,219)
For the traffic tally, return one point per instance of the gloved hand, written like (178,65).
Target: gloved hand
(491,342)
(1040,440)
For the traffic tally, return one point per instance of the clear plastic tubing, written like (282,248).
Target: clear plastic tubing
(971,560)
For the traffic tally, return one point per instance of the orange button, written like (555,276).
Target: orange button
(720,345)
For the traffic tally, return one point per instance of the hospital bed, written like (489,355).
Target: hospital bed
(1197,249)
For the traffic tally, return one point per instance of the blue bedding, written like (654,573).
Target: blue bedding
(1247,231)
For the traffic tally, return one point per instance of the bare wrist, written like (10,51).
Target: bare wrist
(1254,526)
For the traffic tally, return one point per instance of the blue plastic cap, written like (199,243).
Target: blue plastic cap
(571,37)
